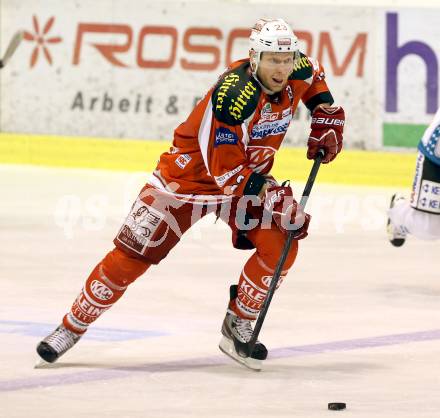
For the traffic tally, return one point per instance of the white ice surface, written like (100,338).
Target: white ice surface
(356,320)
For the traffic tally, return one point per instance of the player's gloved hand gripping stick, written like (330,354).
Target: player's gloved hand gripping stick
(290,237)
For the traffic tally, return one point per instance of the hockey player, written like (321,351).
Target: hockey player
(220,162)
(420,215)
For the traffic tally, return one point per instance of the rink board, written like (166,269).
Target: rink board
(372,168)
(136,69)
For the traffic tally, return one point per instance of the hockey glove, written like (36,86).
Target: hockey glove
(327,127)
(286,212)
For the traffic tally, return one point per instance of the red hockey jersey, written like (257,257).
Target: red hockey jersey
(235,130)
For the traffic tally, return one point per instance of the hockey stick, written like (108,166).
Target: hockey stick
(13,45)
(290,237)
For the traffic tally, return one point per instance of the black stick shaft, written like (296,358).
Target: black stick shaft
(286,249)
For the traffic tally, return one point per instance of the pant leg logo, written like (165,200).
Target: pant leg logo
(100,290)
(140,226)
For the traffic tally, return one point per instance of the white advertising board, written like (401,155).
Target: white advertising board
(409,53)
(135,69)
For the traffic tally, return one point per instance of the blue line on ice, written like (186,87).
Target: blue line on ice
(38,329)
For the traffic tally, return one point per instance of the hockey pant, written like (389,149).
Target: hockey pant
(153,227)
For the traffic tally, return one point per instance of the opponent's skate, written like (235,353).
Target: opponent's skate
(396,234)
(56,344)
(237,333)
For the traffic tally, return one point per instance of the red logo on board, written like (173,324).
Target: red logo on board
(41,40)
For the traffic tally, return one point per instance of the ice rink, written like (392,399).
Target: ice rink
(355,321)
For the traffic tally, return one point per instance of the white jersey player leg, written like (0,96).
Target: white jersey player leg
(422,225)
(420,215)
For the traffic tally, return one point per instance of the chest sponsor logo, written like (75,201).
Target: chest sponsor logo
(267,108)
(267,114)
(225,136)
(269,117)
(268,128)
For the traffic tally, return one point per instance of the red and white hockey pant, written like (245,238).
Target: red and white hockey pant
(153,227)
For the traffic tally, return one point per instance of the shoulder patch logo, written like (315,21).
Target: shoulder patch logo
(235,97)
(229,81)
(225,136)
(302,62)
(239,103)
(302,69)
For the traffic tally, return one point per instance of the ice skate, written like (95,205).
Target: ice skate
(396,234)
(237,333)
(56,344)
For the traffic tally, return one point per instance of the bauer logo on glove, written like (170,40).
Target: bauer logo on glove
(274,197)
(327,128)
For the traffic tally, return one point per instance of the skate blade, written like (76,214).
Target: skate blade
(42,364)
(227,347)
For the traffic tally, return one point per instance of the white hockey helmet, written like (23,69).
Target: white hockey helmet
(271,35)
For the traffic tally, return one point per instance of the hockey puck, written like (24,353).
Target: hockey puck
(336,406)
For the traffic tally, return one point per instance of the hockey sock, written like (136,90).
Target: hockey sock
(105,285)
(256,276)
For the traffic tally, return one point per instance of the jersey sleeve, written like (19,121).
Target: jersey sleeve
(224,133)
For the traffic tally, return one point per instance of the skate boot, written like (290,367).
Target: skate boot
(56,344)
(237,333)
(396,234)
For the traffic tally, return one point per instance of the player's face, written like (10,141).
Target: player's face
(274,69)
